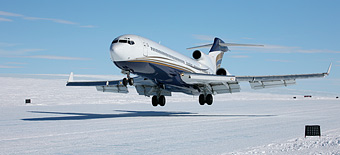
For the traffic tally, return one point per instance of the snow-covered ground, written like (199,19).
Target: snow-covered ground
(80,120)
(329,143)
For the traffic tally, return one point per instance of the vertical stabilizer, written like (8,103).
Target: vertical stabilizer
(216,52)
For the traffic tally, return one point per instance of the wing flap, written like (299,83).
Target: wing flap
(215,84)
(113,89)
(224,87)
(270,84)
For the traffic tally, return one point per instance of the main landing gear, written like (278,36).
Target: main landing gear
(158,100)
(208,99)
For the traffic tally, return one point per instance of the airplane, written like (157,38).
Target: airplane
(161,71)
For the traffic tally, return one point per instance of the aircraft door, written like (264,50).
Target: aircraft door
(145,48)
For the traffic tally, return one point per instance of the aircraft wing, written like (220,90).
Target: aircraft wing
(269,81)
(143,86)
(218,84)
(214,84)
(103,86)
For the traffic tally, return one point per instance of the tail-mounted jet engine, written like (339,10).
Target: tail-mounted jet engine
(197,54)
(202,58)
(221,71)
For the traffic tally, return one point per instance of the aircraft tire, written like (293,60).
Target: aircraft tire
(161,100)
(131,81)
(125,82)
(154,101)
(201,99)
(209,99)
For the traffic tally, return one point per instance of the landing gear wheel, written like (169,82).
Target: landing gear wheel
(154,101)
(201,99)
(125,82)
(131,81)
(209,99)
(161,100)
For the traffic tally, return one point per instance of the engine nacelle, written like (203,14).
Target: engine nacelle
(221,71)
(197,54)
(203,59)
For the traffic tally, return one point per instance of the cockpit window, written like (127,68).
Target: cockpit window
(131,42)
(123,41)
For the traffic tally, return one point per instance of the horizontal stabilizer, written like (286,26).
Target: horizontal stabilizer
(225,45)
(201,46)
(233,44)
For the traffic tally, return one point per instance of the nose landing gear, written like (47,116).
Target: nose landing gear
(127,80)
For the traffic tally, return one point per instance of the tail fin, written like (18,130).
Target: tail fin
(217,50)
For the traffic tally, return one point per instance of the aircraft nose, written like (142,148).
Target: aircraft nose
(113,48)
(116,52)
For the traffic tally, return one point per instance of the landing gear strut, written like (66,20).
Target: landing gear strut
(158,100)
(208,99)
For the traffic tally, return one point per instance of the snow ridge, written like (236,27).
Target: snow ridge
(326,144)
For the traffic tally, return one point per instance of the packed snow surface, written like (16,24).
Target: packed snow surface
(80,120)
(328,143)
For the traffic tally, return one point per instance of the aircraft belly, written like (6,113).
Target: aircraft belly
(160,73)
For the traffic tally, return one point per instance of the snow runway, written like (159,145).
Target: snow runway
(82,121)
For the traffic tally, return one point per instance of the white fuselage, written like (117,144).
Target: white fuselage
(143,50)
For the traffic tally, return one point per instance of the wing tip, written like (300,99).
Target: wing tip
(329,69)
(70,78)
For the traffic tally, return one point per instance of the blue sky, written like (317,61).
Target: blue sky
(57,37)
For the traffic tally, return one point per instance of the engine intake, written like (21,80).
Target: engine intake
(197,54)
(221,71)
